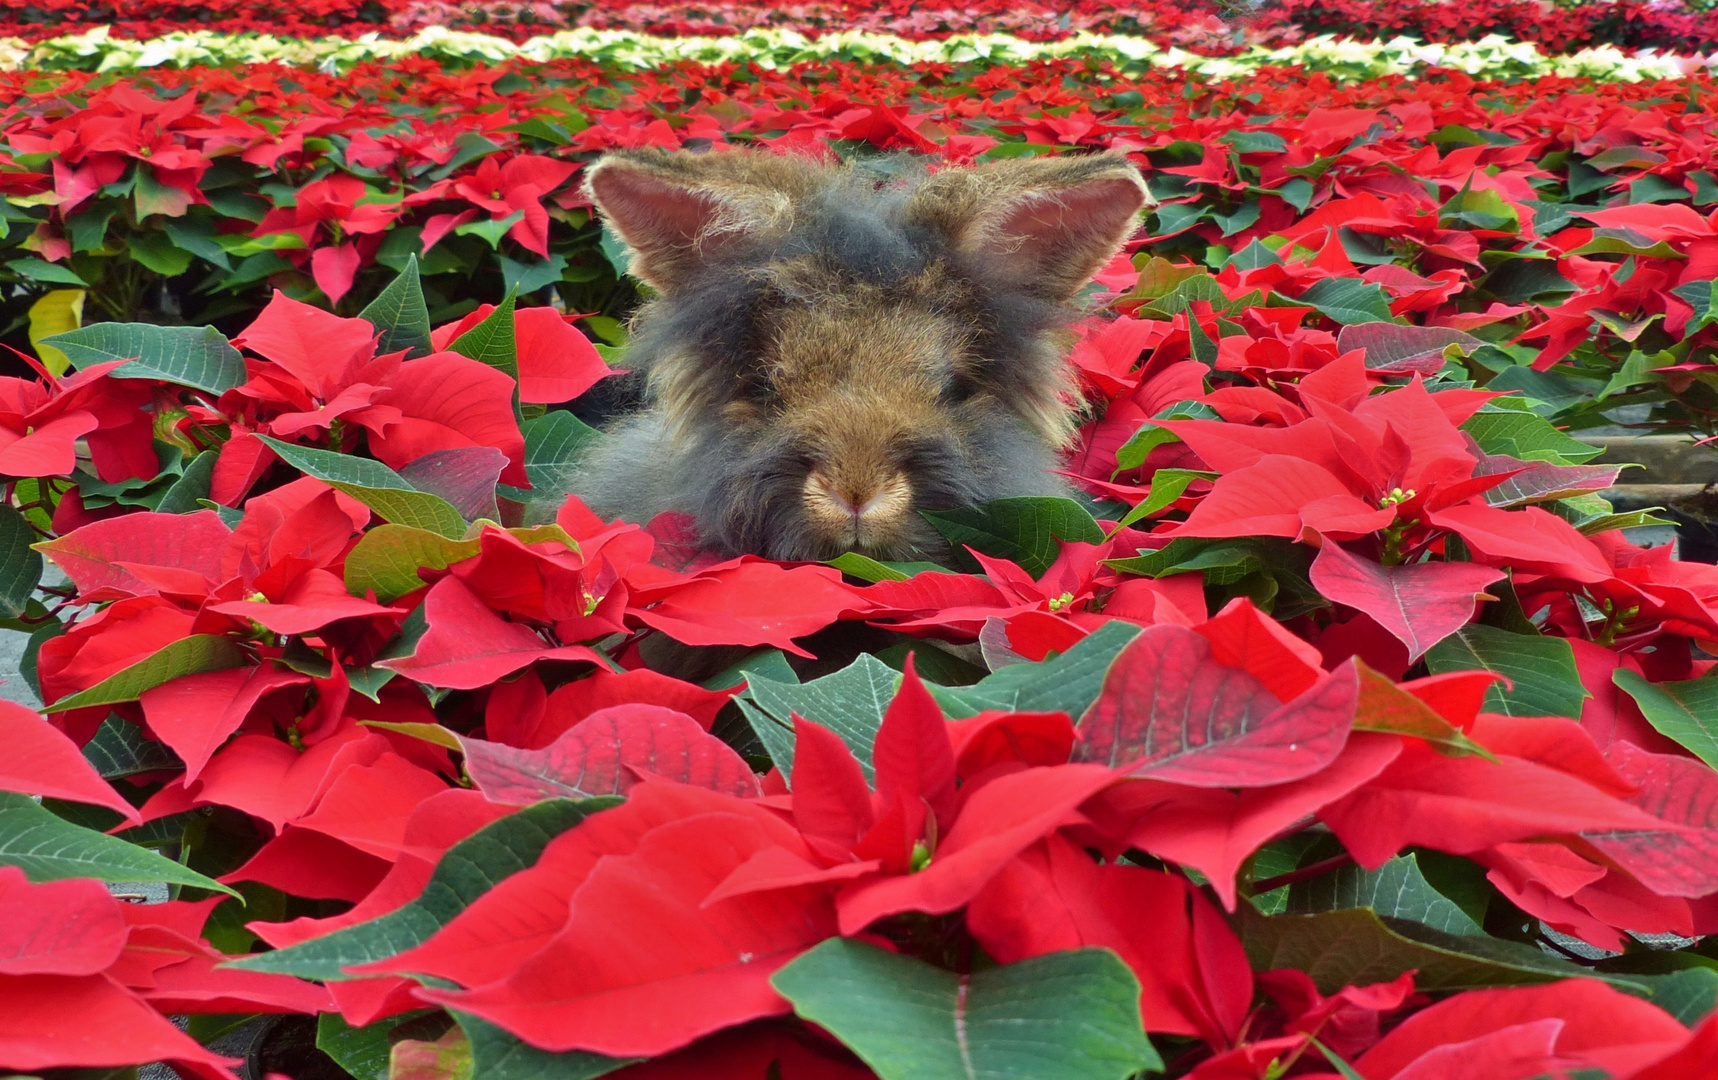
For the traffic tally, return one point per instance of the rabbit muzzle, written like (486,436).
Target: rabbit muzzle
(869,513)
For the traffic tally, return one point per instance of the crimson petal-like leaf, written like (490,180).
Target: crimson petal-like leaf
(1420,604)
(464,475)
(57,927)
(103,555)
(40,760)
(1585,1015)
(468,646)
(556,362)
(643,967)
(315,346)
(1168,711)
(602,755)
(1053,897)
(194,714)
(316,599)
(754,603)
(831,801)
(521,913)
(1682,858)
(450,401)
(1465,804)
(89,1020)
(1000,819)
(1214,831)
(913,756)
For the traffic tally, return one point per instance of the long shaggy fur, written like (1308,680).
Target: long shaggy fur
(831,354)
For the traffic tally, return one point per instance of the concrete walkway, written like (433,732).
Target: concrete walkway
(11,652)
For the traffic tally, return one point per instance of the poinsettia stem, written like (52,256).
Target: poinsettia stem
(1615,620)
(1393,536)
(1305,873)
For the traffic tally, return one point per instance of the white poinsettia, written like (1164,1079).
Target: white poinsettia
(1343,58)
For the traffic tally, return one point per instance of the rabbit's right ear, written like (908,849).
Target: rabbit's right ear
(1043,225)
(675,208)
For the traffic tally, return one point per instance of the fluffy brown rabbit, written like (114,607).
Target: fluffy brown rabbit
(832,351)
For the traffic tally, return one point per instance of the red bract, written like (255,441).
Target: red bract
(1189,25)
(1033,617)
(1216,831)
(556,362)
(193,715)
(1169,712)
(748,602)
(1193,975)
(1527,1030)
(701,966)
(41,423)
(40,432)
(363,790)
(916,824)
(143,555)
(1344,1023)
(468,645)
(1467,804)
(521,714)
(605,754)
(324,377)
(516,186)
(1420,604)
(1343,473)
(82,975)
(107,642)
(324,215)
(59,927)
(42,761)
(296,859)
(54,1020)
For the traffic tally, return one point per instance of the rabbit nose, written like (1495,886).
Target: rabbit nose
(848,499)
(856,503)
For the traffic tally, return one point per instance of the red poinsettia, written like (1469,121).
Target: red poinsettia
(503,189)
(85,979)
(322,380)
(325,215)
(556,362)
(41,424)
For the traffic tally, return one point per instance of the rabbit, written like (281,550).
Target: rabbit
(830,352)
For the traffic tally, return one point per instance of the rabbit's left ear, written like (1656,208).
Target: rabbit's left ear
(1045,225)
(674,210)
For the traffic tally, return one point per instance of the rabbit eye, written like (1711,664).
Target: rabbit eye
(753,386)
(960,390)
(925,453)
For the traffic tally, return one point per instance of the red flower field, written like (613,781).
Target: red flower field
(1201,25)
(1339,727)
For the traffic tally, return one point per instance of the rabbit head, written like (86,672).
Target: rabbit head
(832,351)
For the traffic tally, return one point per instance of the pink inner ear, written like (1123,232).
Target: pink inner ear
(1074,214)
(649,213)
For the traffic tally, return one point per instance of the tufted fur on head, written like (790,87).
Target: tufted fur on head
(832,351)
